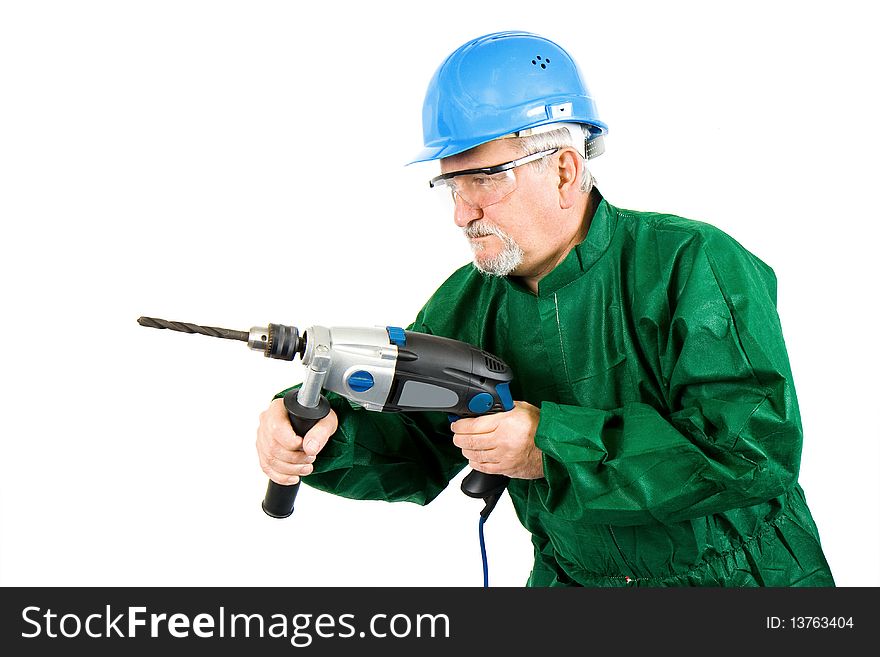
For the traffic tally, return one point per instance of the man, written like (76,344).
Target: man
(656,436)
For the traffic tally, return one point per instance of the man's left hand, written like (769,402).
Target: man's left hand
(502,443)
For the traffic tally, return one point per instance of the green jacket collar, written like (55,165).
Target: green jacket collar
(583,256)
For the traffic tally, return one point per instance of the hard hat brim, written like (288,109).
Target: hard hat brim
(439,151)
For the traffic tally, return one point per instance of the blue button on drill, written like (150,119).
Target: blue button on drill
(360,381)
(396,335)
(480,403)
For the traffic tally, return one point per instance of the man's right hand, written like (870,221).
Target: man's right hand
(284,456)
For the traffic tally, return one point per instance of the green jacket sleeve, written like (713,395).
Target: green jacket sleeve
(386,456)
(729,433)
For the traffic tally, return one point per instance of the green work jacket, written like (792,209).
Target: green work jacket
(669,425)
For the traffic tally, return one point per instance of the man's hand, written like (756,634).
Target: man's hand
(502,443)
(284,456)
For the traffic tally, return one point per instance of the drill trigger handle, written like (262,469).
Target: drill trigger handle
(480,485)
(488,487)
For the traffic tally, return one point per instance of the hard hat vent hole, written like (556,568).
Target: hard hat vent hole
(539,61)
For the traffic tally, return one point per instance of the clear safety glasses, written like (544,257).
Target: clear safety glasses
(486,186)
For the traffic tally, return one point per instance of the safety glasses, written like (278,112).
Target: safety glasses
(486,186)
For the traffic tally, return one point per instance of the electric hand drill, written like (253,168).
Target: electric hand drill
(381,369)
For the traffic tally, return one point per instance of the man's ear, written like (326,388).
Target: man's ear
(571,172)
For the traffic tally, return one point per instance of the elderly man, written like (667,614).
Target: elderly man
(656,436)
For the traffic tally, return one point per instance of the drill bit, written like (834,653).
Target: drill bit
(184,327)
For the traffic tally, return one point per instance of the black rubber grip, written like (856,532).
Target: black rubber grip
(279,498)
(482,485)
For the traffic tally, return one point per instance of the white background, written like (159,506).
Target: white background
(238,163)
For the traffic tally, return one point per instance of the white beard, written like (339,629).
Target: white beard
(508,259)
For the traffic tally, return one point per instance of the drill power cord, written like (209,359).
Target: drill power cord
(491,501)
(483,554)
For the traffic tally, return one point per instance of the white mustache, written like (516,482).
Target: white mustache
(481,229)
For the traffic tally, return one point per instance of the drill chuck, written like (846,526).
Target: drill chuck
(277,341)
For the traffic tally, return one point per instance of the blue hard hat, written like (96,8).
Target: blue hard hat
(502,83)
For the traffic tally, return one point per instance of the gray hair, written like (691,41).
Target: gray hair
(561,137)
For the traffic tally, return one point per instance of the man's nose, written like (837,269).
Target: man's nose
(465,213)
